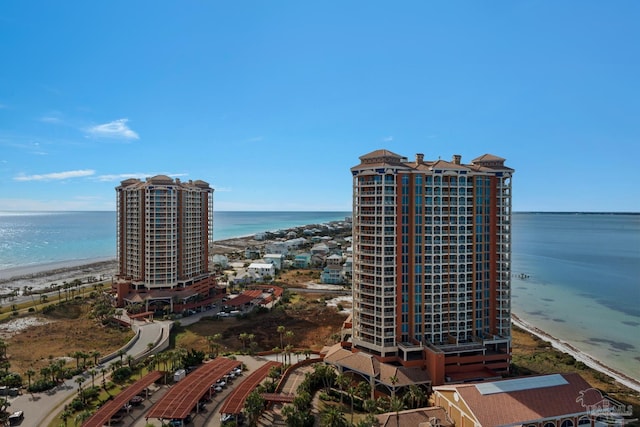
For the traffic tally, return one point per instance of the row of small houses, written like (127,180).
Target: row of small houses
(325,253)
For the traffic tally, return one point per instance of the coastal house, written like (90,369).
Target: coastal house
(262,269)
(252,253)
(318,260)
(334,260)
(557,400)
(291,235)
(275,259)
(276,248)
(347,267)
(332,275)
(302,260)
(320,248)
(244,277)
(296,243)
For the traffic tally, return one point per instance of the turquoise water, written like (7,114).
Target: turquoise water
(34,238)
(583,282)
(583,270)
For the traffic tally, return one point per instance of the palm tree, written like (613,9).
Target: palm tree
(95,354)
(415,396)
(45,372)
(216,338)
(287,351)
(393,380)
(277,351)
(254,406)
(396,405)
(332,416)
(281,330)
(244,337)
(352,391)
(210,343)
(274,374)
(370,405)
(93,373)
(326,374)
(363,390)
(289,336)
(3,349)
(29,373)
(292,416)
(121,353)
(79,380)
(84,357)
(82,417)
(77,355)
(342,381)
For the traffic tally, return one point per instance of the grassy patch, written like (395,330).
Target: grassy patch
(531,355)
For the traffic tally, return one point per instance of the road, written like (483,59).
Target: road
(40,408)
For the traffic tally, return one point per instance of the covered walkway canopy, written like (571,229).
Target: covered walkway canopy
(102,416)
(235,401)
(277,397)
(178,402)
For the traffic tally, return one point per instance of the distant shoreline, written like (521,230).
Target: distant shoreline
(52,268)
(41,275)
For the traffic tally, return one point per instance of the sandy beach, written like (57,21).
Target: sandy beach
(40,276)
(577,354)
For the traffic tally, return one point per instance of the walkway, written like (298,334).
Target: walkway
(41,408)
(235,402)
(183,397)
(103,415)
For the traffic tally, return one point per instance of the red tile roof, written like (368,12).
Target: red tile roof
(523,405)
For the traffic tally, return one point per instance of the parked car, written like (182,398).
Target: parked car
(136,400)
(16,418)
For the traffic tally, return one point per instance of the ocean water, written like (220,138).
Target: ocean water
(583,282)
(583,270)
(35,238)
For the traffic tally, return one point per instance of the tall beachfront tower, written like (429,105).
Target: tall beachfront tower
(432,263)
(164,228)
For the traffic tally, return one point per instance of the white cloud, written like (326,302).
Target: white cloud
(56,175)
(50,119)
(139,175)
(387,139)
(255,139)
(115,129)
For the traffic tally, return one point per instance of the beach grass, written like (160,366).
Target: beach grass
(534,356)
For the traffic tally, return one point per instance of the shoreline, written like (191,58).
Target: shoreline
(18,277)
(579,355)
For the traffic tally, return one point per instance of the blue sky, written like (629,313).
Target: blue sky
(272,102)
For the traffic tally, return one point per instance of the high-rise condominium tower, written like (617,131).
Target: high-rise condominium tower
(432,263)
(164,228)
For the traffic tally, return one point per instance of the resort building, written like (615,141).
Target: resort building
(432,264)
(164,228)
(557,400)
